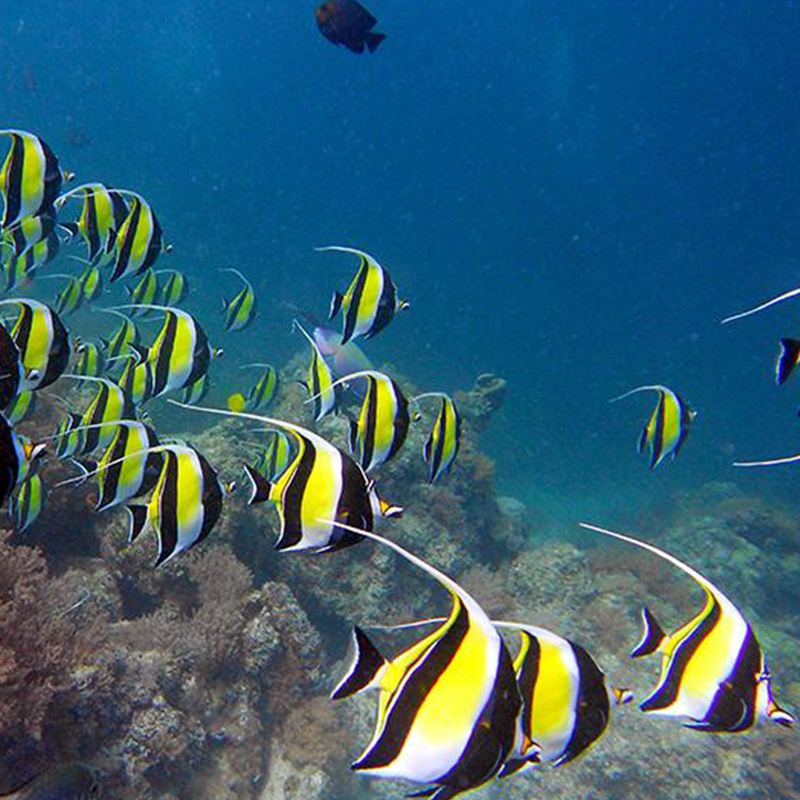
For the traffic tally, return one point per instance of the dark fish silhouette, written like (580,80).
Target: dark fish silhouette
(347,22)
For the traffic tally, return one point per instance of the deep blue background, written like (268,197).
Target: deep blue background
(571,195)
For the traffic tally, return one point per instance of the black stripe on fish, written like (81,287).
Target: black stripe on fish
(9,459)
(734,706)
(14,193)
(387,304)
(168,530)
(666,694)
(528,675)
(657,443)
(368,437)
(91,226)
(402,420)
(292,528)
(351,316)
(211,498)
(592,707)
(164,361)
(124,254)
(492,736)
(412,692)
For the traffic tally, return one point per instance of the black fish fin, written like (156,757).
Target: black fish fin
(787,359)
(336,304)
(652,636)
(260,487)
(512,766)
(138,519)
(365,664)
(640,445)
(373,40)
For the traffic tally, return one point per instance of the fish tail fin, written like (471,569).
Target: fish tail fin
(389,511)
(373,40)
(365,667)
(787,359)
(653,636)
(621,695)
(260,487)
(780,715)
(336,303)
(138,519)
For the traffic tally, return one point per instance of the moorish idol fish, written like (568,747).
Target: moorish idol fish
(136,379)
(668,427)
(186,502)
(90,362)
(43,342)
(17,455)
(143,293)
(320,380)
(129,467)
(181,353)
(273,459)
(441,447)
(69,441)
(26,503)
(565,700)
(29,231)
(195,392)
(19,270)
(370,303)
(448,704)
(127,334)
(240,311)
(139,240)
(110,404)
(103,214)
(70,298)
(12,370)
(91,281)
(174,289)
(320,481)
(260,394)
(713,672)
(30,179)
(383,421)
(19,408)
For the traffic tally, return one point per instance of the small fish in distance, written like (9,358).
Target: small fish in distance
(347,22)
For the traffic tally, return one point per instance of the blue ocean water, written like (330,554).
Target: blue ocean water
(570,195)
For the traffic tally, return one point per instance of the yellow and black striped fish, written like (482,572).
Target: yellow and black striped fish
(143,293)
(273,459)
(70,298)
(69,440)
(319,384)
(136,379)
(441,447)
(110,404)
(240,311)
(91,281)
(29,231)
(370,303)
(102,215)
(668,427)
(20,270)
(174,289)
(713,673)
(26,503)
(259,395)
(448,704)
(30,179)
(139,240)
(565,700)
(116,345)
(321,481)
(43,342)
(186,502)
(383,421)
(90,361)
(128,468)
(181,353)
(195,392)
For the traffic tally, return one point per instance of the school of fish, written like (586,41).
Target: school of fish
(472,700)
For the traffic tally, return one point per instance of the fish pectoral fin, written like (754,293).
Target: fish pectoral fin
(653,636)
(336,304)
(260,487)
(138,519)
(366,667)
